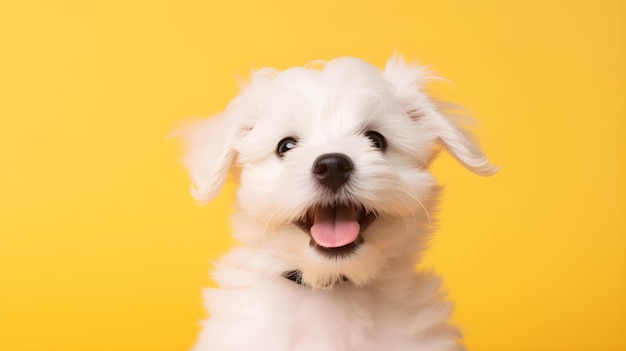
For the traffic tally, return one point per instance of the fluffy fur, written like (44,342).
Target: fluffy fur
(371,298)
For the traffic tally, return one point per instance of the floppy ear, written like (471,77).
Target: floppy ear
(409,81)
(209,153)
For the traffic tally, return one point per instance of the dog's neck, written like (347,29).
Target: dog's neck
(296,277)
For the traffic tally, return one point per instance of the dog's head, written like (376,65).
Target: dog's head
(332,163)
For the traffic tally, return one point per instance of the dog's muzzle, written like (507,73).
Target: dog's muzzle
(335,229)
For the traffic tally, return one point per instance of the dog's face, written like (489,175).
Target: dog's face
(332,165)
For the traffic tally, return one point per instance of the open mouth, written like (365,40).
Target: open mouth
(336,230)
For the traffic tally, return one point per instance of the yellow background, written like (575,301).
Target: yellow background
(102,247)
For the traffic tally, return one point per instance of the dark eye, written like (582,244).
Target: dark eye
(285,145)
(377,139)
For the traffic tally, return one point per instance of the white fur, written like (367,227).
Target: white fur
(387,304)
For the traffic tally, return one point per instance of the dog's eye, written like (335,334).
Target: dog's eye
(377,140)
(285,145)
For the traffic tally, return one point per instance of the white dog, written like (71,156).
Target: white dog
(333,211)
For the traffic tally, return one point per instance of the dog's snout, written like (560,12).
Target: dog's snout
(332,170)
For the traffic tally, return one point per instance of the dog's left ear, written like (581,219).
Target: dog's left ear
(409,81)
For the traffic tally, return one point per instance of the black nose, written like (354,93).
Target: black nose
(332,170)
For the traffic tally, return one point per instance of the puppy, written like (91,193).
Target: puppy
(334,206)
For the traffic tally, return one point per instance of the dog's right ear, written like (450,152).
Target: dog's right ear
(208,153)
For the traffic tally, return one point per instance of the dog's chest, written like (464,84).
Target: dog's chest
(343,318)
(296,318)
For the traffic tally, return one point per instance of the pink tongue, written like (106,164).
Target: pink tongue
(335,226)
